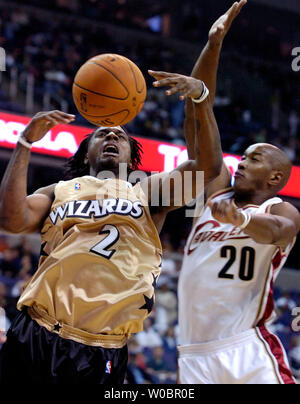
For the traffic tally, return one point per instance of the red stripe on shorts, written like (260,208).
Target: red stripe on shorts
(278,353)
(273,342)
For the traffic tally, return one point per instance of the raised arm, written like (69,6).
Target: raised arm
(206,69)
(20,213)
(183,182)
(205,138)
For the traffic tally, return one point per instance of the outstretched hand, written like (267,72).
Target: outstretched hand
(226,212)
(189,87)
(221,27)
(42,122)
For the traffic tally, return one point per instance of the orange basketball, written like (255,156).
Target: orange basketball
(109,90)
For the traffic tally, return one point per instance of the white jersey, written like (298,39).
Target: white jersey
(226,281)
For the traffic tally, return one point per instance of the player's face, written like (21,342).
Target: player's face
(108,148)
(254,171)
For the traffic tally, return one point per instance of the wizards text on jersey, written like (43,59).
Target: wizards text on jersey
(210,232)
(89,209)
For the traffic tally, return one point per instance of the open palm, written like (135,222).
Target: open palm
(220,28)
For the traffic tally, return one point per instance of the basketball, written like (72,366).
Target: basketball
(109,90)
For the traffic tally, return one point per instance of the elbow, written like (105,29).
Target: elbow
(10,223)
(283,235)
(9,227)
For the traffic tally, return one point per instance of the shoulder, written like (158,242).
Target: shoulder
(285,209)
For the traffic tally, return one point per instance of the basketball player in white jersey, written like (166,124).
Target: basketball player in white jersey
(233,255)
(101,253)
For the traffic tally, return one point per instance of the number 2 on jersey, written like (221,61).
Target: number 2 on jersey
(247,263)
(103,248)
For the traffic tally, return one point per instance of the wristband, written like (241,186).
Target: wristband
(203,96)
(24,142)
(247,217)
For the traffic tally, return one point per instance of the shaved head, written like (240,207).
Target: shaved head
(277,158)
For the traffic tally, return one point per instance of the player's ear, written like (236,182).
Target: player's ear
(86,159)
(276,178)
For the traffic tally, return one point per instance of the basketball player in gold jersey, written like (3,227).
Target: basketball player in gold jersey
(100,254)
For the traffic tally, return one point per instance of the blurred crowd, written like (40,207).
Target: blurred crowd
(258,100)
(153,352)
(258,93)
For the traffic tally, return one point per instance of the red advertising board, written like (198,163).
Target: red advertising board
(63,141)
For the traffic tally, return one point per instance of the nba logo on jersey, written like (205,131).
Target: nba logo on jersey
(77,186)
(108,367)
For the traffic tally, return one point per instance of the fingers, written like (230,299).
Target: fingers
(164,79)
(219,210)
(159,75)
(186,94)
(224,211)
(232,13)
(187,86)
(241,4)
(170,81)
(53,118)
(178,87)
(235,10)
(173,80)
(223,24)
(62,117)
(220,28)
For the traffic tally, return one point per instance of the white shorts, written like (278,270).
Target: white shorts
(253,357)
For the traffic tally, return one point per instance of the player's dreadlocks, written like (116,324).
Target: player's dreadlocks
(76,166)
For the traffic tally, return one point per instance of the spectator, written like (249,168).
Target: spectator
(10,262)
(149,338)
(23,277)
(3,294)
(137,370)
(136,374)
(2,327)
(53,49)
(286,303)
(166,310)
(159,368)
(169,267)
(257,100)
(3,244)
(170,348)
(4,323)
(294,356)
(144,357)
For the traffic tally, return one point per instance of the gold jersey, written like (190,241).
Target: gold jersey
(100,258)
